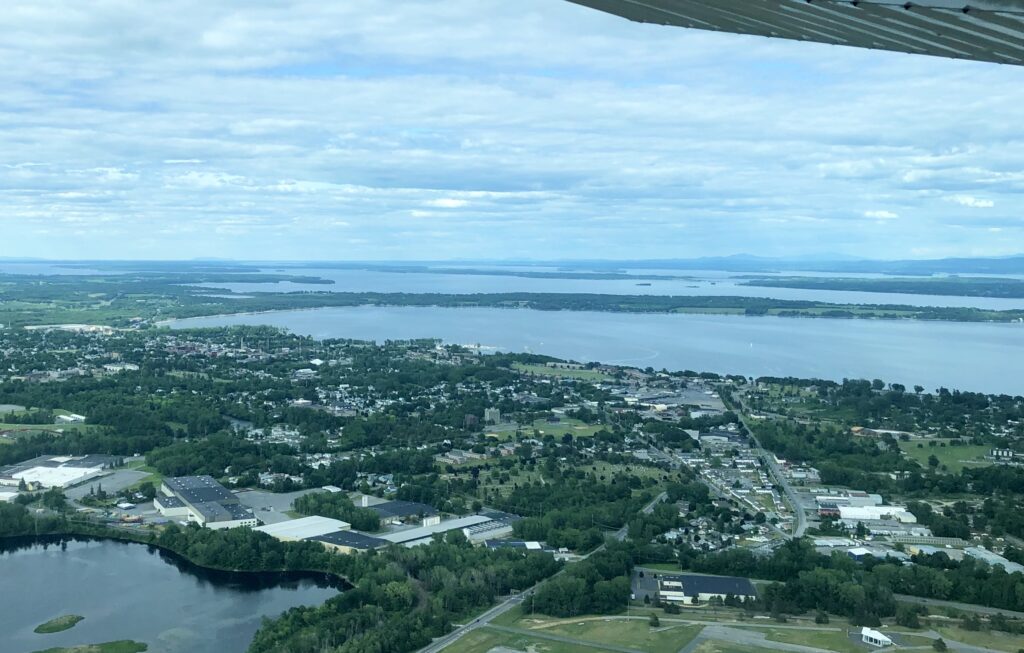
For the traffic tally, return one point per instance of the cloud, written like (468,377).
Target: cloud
(881,215)
(566,131)
(971,202)
(447,203)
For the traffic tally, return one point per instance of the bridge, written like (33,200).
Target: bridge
(978,30)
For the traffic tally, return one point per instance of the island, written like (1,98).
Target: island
(58,624)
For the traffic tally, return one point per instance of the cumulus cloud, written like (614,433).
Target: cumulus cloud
(881,215)
(971,202)
(484,128)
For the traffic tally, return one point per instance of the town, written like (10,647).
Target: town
(705,482)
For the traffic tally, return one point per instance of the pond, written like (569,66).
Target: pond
(133,591)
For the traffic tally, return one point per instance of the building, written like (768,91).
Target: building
(873,637)
(877,513)
(488,530)
(993,559)
(518,544)
(492,416)
(204,501)
(70,418)
(57,471)
(400,512)
(687,587)
(852,499)
(346,541)
(424,534)
(304,528)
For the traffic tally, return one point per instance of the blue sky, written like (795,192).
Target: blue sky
(392,129)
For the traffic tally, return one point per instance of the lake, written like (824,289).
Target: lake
(974,356)
(699,283)
(130,591)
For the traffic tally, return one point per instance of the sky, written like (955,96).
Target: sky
(430,129)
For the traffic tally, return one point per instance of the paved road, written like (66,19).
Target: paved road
(776,473)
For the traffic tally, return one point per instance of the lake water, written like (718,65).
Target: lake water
(129,591)
(968,356)
(700,283)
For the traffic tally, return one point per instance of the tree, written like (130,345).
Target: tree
(933,461)
(906,616)
(821,617)
(940,645)
(654,622)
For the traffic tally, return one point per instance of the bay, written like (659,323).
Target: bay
(976,356)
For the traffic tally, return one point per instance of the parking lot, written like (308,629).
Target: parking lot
(111,483)
(270,507)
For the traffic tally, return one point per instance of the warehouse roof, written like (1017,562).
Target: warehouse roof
(199,489)
(694,585)
(402,509)
(304,528)
(423,532)
(352,539)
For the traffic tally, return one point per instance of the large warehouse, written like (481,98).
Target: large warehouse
(204,501)
(56,471)
(303,528)
(687,587)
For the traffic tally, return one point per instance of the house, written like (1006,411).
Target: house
(874,638)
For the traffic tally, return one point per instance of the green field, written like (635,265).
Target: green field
(985,639)
(483,640)
(954,458)
(575,427)
(120,646)
(58,624)
(714,646)
(835,640)
(544,370)
(633,633)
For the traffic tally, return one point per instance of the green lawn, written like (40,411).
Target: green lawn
(484,639)
(828,640)
(59,624)
(544,370)
(986,639)
(633,633)
(954,458)
(714,646)
(577,428)
(120,646)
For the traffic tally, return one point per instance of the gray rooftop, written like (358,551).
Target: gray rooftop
(353,539)
(197,490)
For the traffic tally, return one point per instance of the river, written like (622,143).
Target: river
(131,591)
(973,356)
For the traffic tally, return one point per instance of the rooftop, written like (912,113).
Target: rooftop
(304,528)
(352,539)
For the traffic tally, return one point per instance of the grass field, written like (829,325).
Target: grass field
(713,646)
(634,633)
(544,370)
(954,458)
(986,639)
(484,639)
(828,640)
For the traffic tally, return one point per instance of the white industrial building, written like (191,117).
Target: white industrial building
(303,528)
(852,498)
(877,513)
(424,534)
(56,471)
(873,637)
